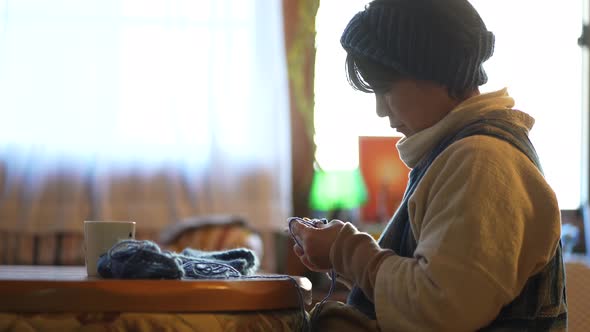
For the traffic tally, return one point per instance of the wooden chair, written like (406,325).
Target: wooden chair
(211,233)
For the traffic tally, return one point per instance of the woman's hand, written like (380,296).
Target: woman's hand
(316,243)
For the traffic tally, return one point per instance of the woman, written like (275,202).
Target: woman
(475,243)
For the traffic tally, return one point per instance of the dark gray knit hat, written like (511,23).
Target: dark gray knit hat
(444,41)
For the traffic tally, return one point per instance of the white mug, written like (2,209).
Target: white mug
(100,236)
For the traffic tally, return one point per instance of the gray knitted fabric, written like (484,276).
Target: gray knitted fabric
(444,41)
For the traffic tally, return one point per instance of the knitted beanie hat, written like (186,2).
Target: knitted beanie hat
(444,41)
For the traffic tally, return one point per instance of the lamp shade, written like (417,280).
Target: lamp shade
(337,190)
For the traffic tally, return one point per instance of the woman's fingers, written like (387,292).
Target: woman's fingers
(310,265)
(313,240)
(298,250)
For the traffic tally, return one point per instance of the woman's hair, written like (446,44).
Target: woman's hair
(369,76)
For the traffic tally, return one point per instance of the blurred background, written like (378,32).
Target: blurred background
(170,112)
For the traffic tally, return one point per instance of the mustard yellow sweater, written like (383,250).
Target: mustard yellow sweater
(484,218)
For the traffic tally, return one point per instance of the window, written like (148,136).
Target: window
(182,103)
(539,62)
(147,79)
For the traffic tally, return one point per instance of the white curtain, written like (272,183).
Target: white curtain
(151,110)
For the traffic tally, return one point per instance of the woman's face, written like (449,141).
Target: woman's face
(413,106)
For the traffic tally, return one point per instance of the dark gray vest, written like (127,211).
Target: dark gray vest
(541,306)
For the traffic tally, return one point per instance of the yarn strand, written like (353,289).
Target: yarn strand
(314,223)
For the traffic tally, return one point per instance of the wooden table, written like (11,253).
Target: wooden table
(68,289)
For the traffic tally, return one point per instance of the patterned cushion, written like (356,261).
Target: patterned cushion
(279,320)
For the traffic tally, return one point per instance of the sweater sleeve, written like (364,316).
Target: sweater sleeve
(356,258)
(485,221)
